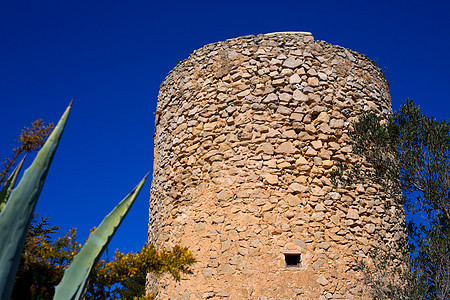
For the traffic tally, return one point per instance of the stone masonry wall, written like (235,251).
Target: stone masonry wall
(247,133)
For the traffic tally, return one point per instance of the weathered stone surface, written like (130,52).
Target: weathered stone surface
(322,118)
(286,97)
(284,110)
(225,269)
(336,123)
(320,207)
(313,81)
(265,148)
(208,273)
(224,195)
(286,148)
(322,280)
(322,76)
(271,179)
(296,187)
(270,98)
(292,63)
(298,95)
(370,228)
(293,200)
(290,134)
(317,145)
(327,164)
(294,79)
(353,214)
(296,117)
(223,293)
(311,152)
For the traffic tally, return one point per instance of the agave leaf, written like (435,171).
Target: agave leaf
(74,281)
(18,212)
(9,185)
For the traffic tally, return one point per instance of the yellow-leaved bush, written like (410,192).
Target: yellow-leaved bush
(124,276)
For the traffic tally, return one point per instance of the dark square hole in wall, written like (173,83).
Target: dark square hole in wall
(292,260)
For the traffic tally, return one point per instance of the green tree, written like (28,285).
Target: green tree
(408,155)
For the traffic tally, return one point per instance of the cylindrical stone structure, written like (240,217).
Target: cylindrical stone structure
(247,133)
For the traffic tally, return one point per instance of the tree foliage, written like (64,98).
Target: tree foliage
(124,277)
(44,260)
(30,139)
(408,155)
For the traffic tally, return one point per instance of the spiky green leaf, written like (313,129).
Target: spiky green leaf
(18,212)
(75,278)
(9,185)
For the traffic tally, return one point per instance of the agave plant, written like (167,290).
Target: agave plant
(75,279)
(16,211)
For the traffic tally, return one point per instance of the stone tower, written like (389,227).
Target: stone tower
(247,133)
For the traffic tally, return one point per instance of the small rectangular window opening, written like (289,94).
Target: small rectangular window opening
(292,260)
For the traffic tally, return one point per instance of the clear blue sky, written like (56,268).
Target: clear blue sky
(112,56)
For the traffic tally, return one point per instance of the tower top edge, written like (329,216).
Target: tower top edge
(289,32)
